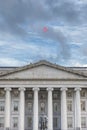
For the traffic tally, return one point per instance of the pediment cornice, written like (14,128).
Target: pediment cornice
(46,63)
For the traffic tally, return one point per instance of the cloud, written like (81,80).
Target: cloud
(25,19)
(83,50)
(6,61)
(76,63)
(59,37)
(15,14)
(25,52)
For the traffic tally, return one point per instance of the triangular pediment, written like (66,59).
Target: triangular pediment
(42,70)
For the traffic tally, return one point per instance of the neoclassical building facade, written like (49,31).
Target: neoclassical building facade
(43,96)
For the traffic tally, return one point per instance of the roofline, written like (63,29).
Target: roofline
(44,62)
(8,67)
(75,67)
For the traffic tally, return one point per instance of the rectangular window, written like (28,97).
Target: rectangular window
(70,122)
(55,107)
(1,122)
(83,122)
(69,105)
(2,106)
(55,96)
(15,122)
(30,107)
(42,107)
(29,123)
(15,106)
(83,106)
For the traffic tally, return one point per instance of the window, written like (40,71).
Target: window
(1,122)
(70,122)
(29,123)
(15,122)
(42,107)
(55,107)
(55,96)
(69,105)
(30,106)
(83,122)
(15,106)
(2,106)
(83,106)
(55,122)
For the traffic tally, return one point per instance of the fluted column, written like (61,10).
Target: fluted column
(22,108)
(78,108)
(35,109)
(50,109)
(7,108)
(63,109)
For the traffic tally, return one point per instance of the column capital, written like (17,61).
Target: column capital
(7,89)
(63,89)
(77,89)
(35,89)
(50,89)
(22,89)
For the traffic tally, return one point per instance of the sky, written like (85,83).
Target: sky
(52,30)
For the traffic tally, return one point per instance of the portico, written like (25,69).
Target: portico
(43,96)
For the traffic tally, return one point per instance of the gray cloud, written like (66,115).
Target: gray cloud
(59,38)
(15,14)
(66,11)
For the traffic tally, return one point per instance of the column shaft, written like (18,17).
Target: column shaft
(35,109)
(63,109)
(50,109)
(78,108)
(22,108)
(7,108)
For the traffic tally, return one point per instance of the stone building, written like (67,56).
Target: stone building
(43,96)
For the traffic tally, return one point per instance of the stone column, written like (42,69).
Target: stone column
(35,109)
(50,109)
(78,109)
(7,108)
(63,109)
(22,108)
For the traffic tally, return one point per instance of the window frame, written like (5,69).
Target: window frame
(85,122)
(70,100)
(3,121)
(15,100)
(4,106)
(83,100)
(13,122)
(72,122)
